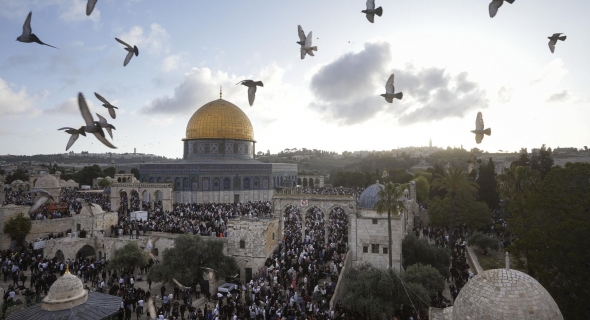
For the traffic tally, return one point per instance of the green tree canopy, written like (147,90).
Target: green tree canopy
(458,186)
(416,251)
(378,293)
(552,226)
(110,171)
(426,276)
(424,174)
(188,259)
(135,173)
(517,182)
(488,187)
(19,174)
(422,188)
(18,227)
(466,210)
(542,161)
(389,201)
(87,174)
(483,242)
(104,182)
(129,256)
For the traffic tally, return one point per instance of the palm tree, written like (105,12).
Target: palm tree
(453,180)
(389,201)
(516,183)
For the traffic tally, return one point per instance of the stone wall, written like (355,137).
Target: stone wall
(251,242)
(341,285)
(367,229)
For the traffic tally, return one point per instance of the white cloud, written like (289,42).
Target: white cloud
(15,102)
(173,62)
(70,106)
(560,96)
(155,42)
(75,11)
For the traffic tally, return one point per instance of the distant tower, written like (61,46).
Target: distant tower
(430,144)
(134,150)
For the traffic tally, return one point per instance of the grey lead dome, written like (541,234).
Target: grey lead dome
(504,294)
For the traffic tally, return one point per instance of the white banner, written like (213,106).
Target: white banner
(38,245)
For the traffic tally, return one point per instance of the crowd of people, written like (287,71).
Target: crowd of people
(333,190)
(205,219)
(67,199)
(18,197)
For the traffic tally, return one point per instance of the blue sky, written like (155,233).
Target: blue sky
(450,59)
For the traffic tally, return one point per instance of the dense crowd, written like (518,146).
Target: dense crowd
(18,197)
(67,197)
(333,191)
(206,219)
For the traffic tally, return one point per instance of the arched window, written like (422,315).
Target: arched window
(195,183)
(237,184)
(256,183)
(226,184)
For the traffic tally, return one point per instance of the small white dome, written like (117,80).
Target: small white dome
(65,293)
(46,181)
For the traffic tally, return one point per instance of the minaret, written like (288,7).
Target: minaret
(430,144)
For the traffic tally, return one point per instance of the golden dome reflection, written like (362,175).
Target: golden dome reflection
(219,119)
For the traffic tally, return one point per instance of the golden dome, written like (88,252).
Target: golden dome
(219,119)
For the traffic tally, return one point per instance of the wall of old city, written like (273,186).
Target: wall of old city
(252,241)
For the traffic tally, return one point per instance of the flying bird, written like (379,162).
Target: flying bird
(473,163)
(28,36)
(495,5)
(389,91)
(479,130)
(371,11)
(180,286)
(92,126)
(105,125)
(86,204)
(45,196)
(553,40)
(305,43)
(107,105)
(251,84)
(151,308)
(90,6)
(75,134)
(130,51)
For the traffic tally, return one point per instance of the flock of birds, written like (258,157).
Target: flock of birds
(96,127)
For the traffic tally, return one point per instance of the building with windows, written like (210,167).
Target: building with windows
(219,162)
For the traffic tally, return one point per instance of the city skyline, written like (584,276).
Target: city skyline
(451,61)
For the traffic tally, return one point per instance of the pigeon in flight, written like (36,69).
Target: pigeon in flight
(75,134)
(389,91)
(479,130)
(553,40)
(90,6)
(473,163)
(495,5)
(371,11)
(105,125)
(130,51)
(107,105)
(92,126)
(305,43)
(251,84)
(86,204)
(28,36)
(45,196)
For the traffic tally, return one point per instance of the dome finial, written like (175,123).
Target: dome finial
(507,261)
(220,91)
